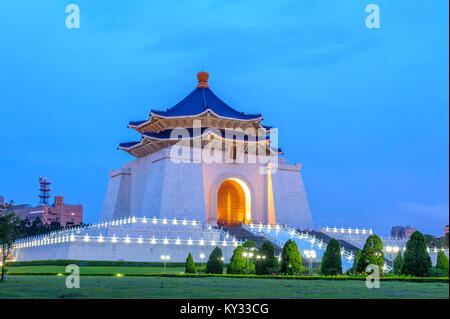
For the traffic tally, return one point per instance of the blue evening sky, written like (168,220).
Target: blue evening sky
(364,110)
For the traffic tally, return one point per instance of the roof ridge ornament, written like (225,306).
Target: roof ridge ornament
(202,78)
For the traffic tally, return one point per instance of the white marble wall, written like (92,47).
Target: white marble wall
(157,186)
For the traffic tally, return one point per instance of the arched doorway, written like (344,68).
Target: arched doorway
(233,203)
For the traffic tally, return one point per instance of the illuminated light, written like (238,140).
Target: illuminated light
(342,230)
(202,242)
(175,221)
(184,222)
(224,243)
(194,223)
(202,255)
(72,237)
(114,239)
(144,220)
(119,275)
(133,220)
(213,242)
(177,242)
(245,254)
(154,220)
(127,239)
(164,221)
(363,230)
(59,275)
(153,240)
(357,231)
(349,230)
(165,257)
(235,244)
(190,242)
(388,249)
(140,240)
(129,220)
(100,238)
(166,241)
(334,230)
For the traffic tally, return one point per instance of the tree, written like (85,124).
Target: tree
(249,244)
(8,223)
(442,263)
(331,264)
(371,254)
(237,263)
(190,265)
(215,262)
(355,262)
(291,261)
(431,240)
(398,264)
(416,261)
(268,262)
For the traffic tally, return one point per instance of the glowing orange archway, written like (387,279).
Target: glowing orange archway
(233,203)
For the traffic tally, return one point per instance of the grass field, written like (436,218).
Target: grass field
(96,269)
(94,287)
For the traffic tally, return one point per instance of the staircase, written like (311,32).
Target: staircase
(241,234)
(342,243)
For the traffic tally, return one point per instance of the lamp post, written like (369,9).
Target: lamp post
(310,254)
(392,251)
(202,256)
(165,258)
(247,255)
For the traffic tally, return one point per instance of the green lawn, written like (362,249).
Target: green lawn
(94,287)
(96,269)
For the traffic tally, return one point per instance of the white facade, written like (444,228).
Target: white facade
(129,239)
(160,185)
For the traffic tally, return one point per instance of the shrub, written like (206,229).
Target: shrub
(371,254)
(398,264)
(249,244)
(416,261)
(190,265)
(215,262)
(238,264)
(331,264)
(442,263)
(268,264)
(291,261)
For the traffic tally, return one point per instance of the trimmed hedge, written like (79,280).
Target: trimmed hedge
(65,262)
(337,278)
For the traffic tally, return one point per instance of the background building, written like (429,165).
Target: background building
(398,232)
(402,232)
(409,231)
(58,212)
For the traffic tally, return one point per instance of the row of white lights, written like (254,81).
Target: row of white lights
(293,232)
(127,239)
(122,221)
(343,230)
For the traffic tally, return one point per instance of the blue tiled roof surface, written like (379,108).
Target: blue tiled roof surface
(199,101)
